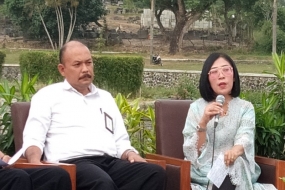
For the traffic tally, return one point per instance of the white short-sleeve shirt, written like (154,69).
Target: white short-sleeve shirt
(65,124)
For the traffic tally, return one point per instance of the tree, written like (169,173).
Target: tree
(234,13)
(39,6)
(37,20)
(274,23)
(129,5)
(58,5)
(262,12)
(282,2)
(266,31)
(186,13)
(281,17)
(90,11)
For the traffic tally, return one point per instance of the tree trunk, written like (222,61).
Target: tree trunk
(176,34)
(161,27)
(50,40)
(189,21)
(228,26)
(60,25)
(72,14)
(274,21)
(157,16)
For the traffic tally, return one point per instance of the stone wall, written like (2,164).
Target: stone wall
(11,72)
(167,78)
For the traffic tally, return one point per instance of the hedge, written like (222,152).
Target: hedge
(113,73)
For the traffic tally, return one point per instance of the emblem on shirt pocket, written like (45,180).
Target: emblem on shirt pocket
(108,123)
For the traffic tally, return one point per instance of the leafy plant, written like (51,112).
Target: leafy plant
(187,89)
(6,131)
(26,87)
(270,118)
(139,123)
(9,94)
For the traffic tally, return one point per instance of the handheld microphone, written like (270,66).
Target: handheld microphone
(221,100)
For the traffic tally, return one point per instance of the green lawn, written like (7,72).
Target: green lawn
(243,67)
(13,55)
(257,63)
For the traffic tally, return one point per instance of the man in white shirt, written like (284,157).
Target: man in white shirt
(76,122)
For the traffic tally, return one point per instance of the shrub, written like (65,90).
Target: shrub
(9,94)
(187,89)
(113,73)
(43,64)
(270,118)
(136,119)
(118,74)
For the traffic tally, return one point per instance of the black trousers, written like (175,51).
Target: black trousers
(226,185)
(42,178)
(106,172)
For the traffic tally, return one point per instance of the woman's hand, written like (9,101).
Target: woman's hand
(231,155)
(210,111)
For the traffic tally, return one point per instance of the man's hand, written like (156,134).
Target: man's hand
(134,157)
(6,158)
(131,156)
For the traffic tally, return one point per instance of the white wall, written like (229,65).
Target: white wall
(168,20)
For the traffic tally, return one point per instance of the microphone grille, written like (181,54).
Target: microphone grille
(220,99)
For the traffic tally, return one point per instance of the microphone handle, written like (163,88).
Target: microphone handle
(216,120)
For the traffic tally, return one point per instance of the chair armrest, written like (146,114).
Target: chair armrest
(177,171)
(22,160)
(271,171)
(162,163)
(22,163)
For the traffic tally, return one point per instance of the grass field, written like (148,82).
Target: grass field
(244,67)
(13,55)
(245,63)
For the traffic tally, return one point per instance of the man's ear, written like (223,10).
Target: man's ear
(60,68)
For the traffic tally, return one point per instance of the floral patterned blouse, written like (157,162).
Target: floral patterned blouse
(235,128)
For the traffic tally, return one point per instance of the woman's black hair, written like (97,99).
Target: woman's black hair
(205,88)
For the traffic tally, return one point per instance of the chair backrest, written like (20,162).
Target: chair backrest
(19,114)
(170,117)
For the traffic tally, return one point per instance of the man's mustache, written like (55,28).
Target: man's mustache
(85,76)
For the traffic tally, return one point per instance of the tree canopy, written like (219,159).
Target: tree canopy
(42,18)
(186,13)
